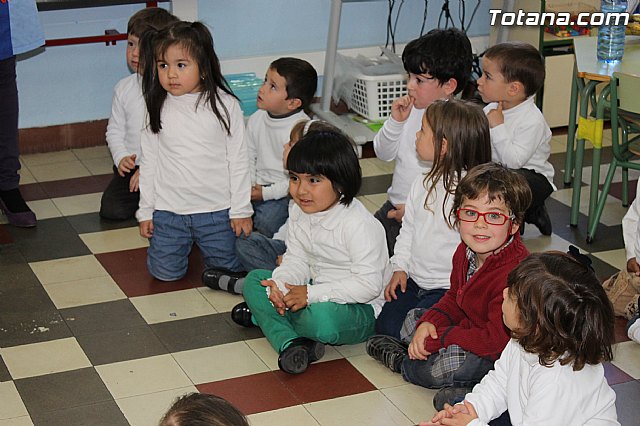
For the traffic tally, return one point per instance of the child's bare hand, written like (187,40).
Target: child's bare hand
(296,299)
(495,116)
(417,346)
(463,414)
(633,267)
(401,107)
(134,183)
(275,296)
(127,164)
(241,225)
(397,214)
(399,278)
(256,193)
(146,228)
(437,419)
(279,260)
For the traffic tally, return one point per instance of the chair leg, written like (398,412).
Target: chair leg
(602,199)
(625,187)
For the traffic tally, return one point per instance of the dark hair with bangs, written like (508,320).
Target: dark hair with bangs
(521,62)
(301,78)
(149,18)
(196,39)
(201,409)
(330,154)
(498,183)
(564,312)
(441,53)
(466,130)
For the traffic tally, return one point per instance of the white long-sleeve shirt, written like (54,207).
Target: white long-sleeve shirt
(342,251)
(192,165)
(127,120)
(426,244)
(397,141)
(538,395)
(523,140)
(631,228)
(265,137)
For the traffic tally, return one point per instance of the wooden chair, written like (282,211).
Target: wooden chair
(624,104)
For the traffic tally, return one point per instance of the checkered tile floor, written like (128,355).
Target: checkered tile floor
(87,337)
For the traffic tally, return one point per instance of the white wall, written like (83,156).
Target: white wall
(74,83)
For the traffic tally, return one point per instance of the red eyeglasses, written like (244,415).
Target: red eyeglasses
(492,218)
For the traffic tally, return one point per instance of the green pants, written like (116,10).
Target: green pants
(326,322)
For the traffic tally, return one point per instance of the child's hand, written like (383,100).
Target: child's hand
(256,193)
(240,225)
(279,260)
(437,419)
(458,415)
(146,228)
(397,213)
(633,267)
(275,296)
(495,116)
(134,183)
(401,107)
(399,278)
(127,164)
(296,299)
(416,347)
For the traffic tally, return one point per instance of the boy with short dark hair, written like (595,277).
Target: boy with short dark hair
(456,341)
(511,75)
(439,67)
(120,199)
(288,89)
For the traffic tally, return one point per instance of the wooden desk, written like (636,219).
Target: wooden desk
(588,73)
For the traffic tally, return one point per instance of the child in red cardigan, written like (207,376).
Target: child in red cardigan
(457,340)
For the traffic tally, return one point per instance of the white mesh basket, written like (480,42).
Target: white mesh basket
(373,95)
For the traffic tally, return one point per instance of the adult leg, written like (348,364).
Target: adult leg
(391,226)
(170,245)
(270,215)
(541,189)
(215,237)
(118,202)
(11,201)
(393,313)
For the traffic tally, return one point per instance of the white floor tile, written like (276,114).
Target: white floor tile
(114,240)
(148,409)
(12,405)
(290,416)
(61,270)
(172,306)
(38,359)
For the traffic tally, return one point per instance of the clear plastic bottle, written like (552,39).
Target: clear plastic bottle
(611,37)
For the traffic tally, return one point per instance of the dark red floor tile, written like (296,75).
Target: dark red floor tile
(32,192)
(614,375)
(253,394)
(319,382)
(5,237)
(76,186)
(621,330)
(616,190)
(119,262)
(141,283)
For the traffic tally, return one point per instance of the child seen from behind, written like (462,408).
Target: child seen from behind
(562,328)
(455,138)
(512,73)
(121,197)
(456,341)
(194,175)
(328,289)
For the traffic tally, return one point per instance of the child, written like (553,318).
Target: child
(286,93)
(257,251)
(458,339)
(439,66)
(194,175)
(631,234)
(459,133)
(328,289)
(550,373)
(200,409)
(120,199)
(511,75)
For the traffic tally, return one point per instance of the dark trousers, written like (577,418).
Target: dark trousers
(540,187)
(391,226)
(9,151)
(118,203)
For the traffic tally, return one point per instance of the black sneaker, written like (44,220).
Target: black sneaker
(388,350)
(301,352)
(449,395)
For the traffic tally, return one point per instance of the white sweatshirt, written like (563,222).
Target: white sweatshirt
(128,112)
(631,228)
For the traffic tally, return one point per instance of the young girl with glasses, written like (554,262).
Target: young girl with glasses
(454,137)
(457,340)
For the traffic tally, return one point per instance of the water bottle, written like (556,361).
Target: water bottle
(611,37)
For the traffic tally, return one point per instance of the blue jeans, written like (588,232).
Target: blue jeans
(270,215)
(427,373)
(259,252)
(393,313)
(174,235)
